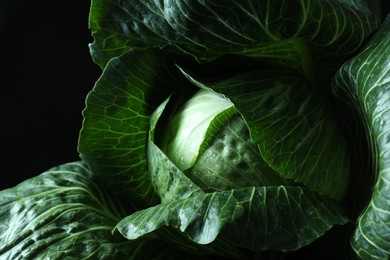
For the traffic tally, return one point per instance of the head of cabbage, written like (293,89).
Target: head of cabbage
(233,129)
(209,140)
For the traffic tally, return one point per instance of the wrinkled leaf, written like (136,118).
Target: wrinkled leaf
(366,81)
(64,213)
(280,30)
(230,158)
(262,218)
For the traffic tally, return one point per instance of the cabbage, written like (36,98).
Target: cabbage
(222,129)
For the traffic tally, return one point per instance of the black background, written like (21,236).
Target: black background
(46,72)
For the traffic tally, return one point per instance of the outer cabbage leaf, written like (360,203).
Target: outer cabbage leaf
(294,126)
(280,30)
(366,81)
(116,120)
(259,218)
(64,213)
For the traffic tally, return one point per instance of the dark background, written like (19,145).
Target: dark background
(46,72)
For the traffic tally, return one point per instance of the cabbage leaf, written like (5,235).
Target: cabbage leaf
(64,213)
(366,80)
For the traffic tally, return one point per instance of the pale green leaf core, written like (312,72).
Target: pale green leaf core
(187,129)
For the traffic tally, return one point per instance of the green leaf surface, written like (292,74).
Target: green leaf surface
(366,80)
(116,121)
(260,218)
(65,214)
(230,159)
(294,126)
(209,29)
